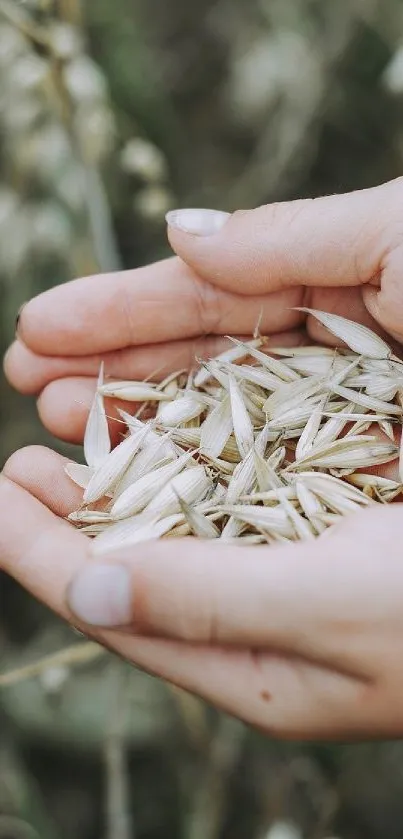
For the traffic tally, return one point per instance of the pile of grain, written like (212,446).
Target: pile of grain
(252,447)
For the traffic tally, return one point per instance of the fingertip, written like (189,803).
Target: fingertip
(19,369)
(100,596)
(58,321)
(28,457)
(28,323)
(40,471)
(63,408)
(8,363)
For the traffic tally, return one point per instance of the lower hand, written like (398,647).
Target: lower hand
(303,641)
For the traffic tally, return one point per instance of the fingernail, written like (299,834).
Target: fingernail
(18,318)
(198,222)
(100,595)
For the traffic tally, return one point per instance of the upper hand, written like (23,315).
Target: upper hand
(341,254)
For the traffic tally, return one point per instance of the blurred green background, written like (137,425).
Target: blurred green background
(112,113)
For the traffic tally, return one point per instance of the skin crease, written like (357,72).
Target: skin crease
(300,641)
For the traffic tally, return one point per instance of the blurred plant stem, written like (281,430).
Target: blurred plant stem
(213,791)
(71,11)
(75,655)
(23,811)
(23,22)
(119,822)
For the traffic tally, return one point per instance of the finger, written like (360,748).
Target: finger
(30,373)
(285,697)
(40,471)
(339,240)
(161,302)
(385,300)
(64,405)
(307,600)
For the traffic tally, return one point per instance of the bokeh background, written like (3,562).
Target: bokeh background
(112,113)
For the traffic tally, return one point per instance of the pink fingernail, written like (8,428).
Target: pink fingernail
(100,595)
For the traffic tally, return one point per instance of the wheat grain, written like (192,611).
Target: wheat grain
(249,448)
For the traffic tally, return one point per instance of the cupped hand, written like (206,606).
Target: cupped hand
(341,254)
(303,641)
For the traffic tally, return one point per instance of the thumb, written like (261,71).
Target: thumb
(339,240)
(285,598)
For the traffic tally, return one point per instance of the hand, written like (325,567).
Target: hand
(301,644)
(304,642)
(341,254)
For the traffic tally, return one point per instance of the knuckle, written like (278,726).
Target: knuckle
(167,603)
(283,213)
(126,306)
(208,301)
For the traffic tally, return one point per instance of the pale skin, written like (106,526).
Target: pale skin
(302,641)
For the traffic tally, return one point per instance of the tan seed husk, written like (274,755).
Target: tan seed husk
(252,448)
(358,337)
(97,443)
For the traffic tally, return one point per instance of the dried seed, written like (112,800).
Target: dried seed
(353,452)
(113,467)
(216,429)
(327,486)
(265,474)
(242,425)
(301,352)
(267,518)
(358,337)
(132,531)
(142,491)
(307,438)
(191,485)
(271,496)
(181,410)
(79,473)
(361,479)
(377,405)
(97,443)
(232,529)
(302,528)
(387,428)
(232,354)
(89,517)
(242,479)
(310,505)
(295,418)
(278,368)
(199,524)
(288,397)
(148,458)
(262,378)
(134,392)
(319,365)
